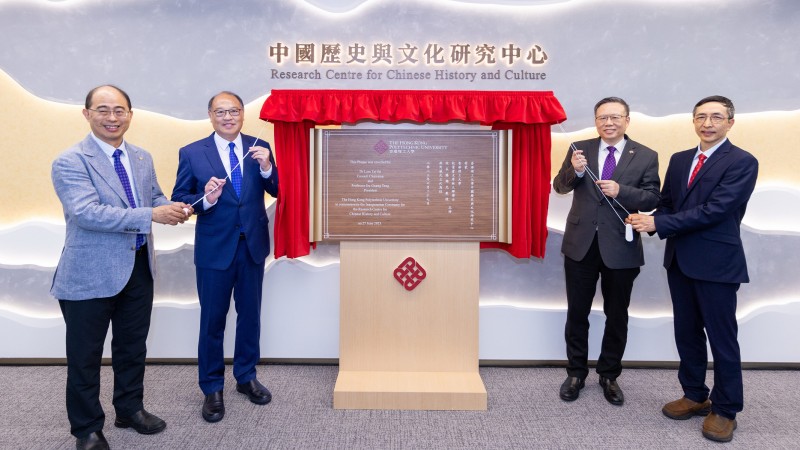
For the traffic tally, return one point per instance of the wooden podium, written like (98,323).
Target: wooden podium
(401,349)
(394,194)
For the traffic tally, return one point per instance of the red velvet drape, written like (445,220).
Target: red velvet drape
(530,167)
(528,114)
(290,230)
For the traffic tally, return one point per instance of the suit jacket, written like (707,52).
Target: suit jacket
(590,214)
(701,222)
(99,249)
(218,228)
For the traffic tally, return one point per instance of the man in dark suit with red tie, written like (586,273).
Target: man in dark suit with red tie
(595,244)
(703,200)
(231,245)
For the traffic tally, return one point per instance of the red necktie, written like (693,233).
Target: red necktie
(700,159)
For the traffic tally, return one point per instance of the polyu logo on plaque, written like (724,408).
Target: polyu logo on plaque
(381,147)
(409,273)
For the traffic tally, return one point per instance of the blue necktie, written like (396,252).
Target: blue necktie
(126,184)
(610,164)
(236,171)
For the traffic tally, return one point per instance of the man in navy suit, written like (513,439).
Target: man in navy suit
(703,200)
(231,245)
(594,243)
(111,197)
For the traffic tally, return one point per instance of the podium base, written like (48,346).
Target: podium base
(410,391)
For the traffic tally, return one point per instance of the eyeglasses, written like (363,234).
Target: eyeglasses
(716,119)
(614,119)
(233,112)
(119,113)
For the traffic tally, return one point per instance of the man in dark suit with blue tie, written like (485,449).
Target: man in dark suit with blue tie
(703,200)
(595,244)
(231,245)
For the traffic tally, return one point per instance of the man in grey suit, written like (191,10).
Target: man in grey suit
(110,196)
(595,244)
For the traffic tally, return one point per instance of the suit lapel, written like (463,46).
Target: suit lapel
(708,166)
(101,164)
(625,158)
(140,175)
(250,167)
(592,153)
(683,167)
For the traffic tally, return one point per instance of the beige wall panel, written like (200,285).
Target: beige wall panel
(35,131)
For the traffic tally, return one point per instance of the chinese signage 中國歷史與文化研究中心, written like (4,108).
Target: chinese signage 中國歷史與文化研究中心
(384,62)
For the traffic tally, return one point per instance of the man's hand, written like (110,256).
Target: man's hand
(170,214)
(213,189)
(642,223)
(261,154)
(578,161)
(187,209)
(610,188)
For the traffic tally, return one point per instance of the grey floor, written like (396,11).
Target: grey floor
(524,412)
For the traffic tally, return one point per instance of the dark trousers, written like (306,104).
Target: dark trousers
(616,286)
(245,279)
(87,325)
(706,308)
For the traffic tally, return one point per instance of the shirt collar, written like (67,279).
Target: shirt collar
(222,143)
(109,149)
(709,151)
(619,145)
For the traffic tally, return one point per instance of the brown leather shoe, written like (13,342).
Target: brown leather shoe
(684,408)
(718,428)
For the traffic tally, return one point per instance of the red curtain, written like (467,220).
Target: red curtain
(290,230)
(530,175)
(528,114)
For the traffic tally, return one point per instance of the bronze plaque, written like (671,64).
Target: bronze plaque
(410,184)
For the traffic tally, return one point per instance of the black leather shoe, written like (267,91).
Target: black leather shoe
(141,421)
(571,388)
(612,391)
(214,407)
(255,391)
(94,441)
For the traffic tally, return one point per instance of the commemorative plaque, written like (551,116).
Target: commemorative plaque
(441,185)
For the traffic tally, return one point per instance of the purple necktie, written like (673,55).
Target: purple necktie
(126,184)
(610,164)
(236,171)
